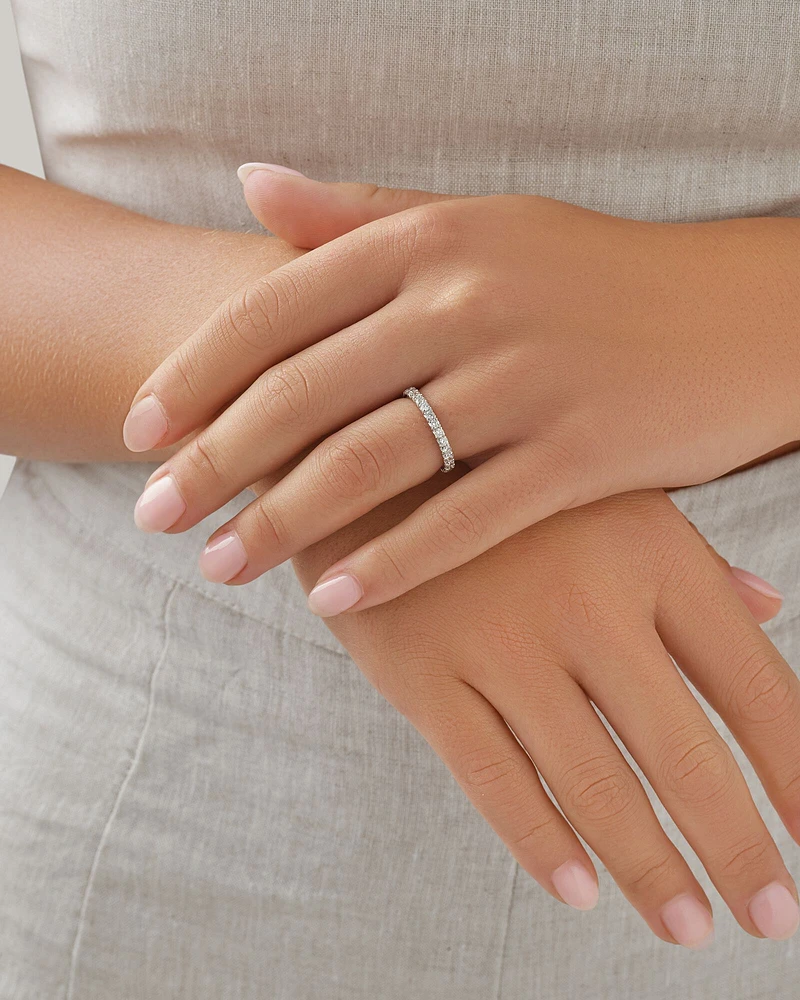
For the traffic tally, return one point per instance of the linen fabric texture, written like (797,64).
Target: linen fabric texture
(200,795)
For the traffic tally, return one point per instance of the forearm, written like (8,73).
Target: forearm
(93,298)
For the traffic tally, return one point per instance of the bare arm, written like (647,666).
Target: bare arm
(92,298)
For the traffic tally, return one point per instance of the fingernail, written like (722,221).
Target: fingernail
(223,558)
(145,425)
(688,921)
(247,168)
(774,912)
(756,583)
(335,595)
(160,506)
(576,886)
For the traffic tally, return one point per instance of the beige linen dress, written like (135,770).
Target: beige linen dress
(201,798)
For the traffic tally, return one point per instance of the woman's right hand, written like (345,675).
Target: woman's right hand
(585,608)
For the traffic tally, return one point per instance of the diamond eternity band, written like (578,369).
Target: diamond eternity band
(426,410)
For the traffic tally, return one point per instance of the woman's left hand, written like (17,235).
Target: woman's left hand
(569,356)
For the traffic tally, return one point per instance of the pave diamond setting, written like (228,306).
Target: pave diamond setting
(432,420)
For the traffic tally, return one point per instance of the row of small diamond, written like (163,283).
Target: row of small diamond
(426,410)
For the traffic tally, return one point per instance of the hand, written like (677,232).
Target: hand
(569,355)
(585,606)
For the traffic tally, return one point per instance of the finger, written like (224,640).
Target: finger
(308,213)
(289,408)
(351,472)
(691,769)
(742,675)
(284,312)
(760,598)
(604,801)
(348,474)
(501,782)
(491,503)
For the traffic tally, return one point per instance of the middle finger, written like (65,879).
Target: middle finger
(287,409)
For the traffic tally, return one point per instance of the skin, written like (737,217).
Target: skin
(94,297)
(517,612)
(552,322)
(609,589)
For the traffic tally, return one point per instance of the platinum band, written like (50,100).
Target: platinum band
(432,420)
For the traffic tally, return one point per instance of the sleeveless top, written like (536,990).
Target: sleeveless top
(203,798)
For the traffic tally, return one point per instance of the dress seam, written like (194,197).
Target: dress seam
(504,942)
(87,892)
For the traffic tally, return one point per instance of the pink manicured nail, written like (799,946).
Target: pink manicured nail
(756,583)
(688,921)
(575,885)
(247,168)
(335,595)
(223,558)
(774,912)
(145,425)
(160,506)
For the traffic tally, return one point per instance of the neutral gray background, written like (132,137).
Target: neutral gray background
(18,145)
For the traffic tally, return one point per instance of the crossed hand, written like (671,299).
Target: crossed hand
(566,357)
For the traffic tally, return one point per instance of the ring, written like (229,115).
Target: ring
(432,420)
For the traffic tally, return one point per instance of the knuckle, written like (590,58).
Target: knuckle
(420,234)
(745,856)
(789,787)
(187,370)
(697,765)
(251,319)
(422,224)
(483,769)
(421,686)
(458,523)
(206,460)
(649,873)
(761,691)
(532,835)
(391,566)
(270,529)
(354,464)
(599,790)
(441,221)
(284,395)
(247,320)
(447,302)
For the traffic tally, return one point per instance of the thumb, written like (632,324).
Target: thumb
(308,213)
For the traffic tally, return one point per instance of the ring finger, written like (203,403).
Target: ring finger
(351,472)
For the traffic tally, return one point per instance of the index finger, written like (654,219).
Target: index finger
(287,310)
